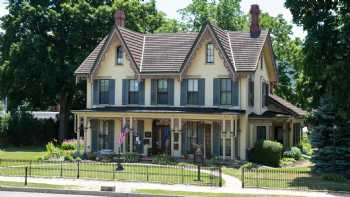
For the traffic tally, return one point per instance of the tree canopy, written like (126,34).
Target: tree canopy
(326,72)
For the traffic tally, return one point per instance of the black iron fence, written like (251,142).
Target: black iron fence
(297,178)
(167,174)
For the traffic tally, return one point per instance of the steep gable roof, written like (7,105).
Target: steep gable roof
(168,52)
(286,105)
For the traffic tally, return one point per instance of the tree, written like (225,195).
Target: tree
(198,13)
(229,15)
(326,68)
(45,41)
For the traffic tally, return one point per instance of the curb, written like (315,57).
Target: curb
(77,192)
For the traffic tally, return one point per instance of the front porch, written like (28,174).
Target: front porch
(151,133)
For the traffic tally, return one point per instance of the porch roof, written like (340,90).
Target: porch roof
(165,109)
(270,114)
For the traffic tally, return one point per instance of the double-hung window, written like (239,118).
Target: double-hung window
(133,92)
(162,91)
(251,93)
(119,55)
(192,92)
(264,93)
(210,53)
(226,92)
(104,92)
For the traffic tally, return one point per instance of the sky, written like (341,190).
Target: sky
(170,7)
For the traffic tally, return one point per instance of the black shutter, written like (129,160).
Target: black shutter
(201,91)
(235,93)
(96,91)
(154,84)
(170,91)
(125,98)
(142,92)
(183,98)
(216,92)
(111,92)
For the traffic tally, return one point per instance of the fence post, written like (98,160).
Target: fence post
(220,176)
(61,170)
(242,177)
(147,172)
(78,170)
(114,169)
(30,168)
(25,175)
(182,174)
(198,172)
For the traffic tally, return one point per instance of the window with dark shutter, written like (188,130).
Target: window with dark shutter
(133,92)
(210,53)
(264,93)
(162,92)
(251,93)
(104,91)
(226,92)
(261,133)
(119,56)
(192,92)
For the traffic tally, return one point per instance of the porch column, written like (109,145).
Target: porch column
(123,125)
(291,136)
(131,136)
(243,133)
(88,137)
(223,138)
(172,130)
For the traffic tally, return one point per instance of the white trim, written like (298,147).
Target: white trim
(233,59)
(143,49)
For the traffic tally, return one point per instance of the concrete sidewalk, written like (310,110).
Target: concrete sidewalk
(232,185)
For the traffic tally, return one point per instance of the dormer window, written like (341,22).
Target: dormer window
(209,53)
(119,56)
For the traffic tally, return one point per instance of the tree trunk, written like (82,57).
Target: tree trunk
(63,118)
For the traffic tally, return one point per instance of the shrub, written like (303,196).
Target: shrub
(131,158)
(68,157)
(249,165)
(333,177)
(214,161)
(305,146)
(285,161)
(163,159)
(53,152)
(68,145)
(294,153)
(266,152)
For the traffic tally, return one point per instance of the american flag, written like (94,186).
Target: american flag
(124,132)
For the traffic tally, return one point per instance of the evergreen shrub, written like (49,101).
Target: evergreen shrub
(266,152)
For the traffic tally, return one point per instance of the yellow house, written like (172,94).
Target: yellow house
(173,92)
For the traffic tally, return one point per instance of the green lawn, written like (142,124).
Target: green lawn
(27,153)
(35,185)
(289,178)
(107,171)
(196,194)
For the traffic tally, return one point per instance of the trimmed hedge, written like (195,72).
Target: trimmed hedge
(266,152)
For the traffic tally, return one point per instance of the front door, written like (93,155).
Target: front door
(279,134)
(161,135)
(207,138)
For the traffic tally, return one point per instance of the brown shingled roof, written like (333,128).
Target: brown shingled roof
(166,52)
(296,110)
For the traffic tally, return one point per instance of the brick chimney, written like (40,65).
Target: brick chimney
(254,26)
(119,18)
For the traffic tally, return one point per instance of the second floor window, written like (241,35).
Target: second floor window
(162,91)
(264,93)
(226,92)
(119,56)
(251,93)
(104,91)
(192,92)
(209,53)
(133,92)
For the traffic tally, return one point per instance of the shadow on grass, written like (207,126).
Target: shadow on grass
(315,182)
